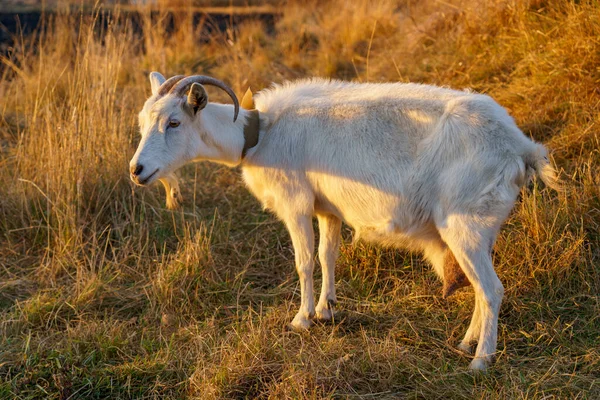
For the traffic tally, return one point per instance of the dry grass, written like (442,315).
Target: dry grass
(106,294)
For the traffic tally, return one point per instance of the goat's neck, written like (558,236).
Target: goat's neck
(224,137)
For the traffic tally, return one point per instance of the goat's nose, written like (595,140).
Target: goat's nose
(136,169)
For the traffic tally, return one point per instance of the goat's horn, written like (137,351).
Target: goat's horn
(168,84)
(183,85)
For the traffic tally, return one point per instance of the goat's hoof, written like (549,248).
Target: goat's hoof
(465,347)
(300,323)
(479,364)
(325,311)
(324,314)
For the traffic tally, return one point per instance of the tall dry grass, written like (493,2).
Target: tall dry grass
(105,294)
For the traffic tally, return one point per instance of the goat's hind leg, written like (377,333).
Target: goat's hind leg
(474,330)
(329,245)
(469,238)
(447,268)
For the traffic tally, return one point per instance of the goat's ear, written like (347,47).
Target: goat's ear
(197,97)
(156,79)
(248,100)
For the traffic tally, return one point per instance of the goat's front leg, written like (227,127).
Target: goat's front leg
(303,239)
(171,184)
(329,245)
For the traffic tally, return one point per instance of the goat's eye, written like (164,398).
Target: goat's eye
(173,123)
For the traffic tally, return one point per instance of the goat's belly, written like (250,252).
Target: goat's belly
(391,236)
(376,216)
(363,207)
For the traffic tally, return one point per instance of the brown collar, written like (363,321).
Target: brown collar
(251,130)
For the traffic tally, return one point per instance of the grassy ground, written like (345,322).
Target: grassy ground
(106,294)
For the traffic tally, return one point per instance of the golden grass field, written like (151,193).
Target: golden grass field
(105,294)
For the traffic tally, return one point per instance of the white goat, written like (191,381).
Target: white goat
(425,168)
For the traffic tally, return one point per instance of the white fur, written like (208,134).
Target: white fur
(414,166)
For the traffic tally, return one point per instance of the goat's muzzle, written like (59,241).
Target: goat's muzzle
(136,175)
(137,169)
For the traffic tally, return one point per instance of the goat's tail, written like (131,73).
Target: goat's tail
(538,164)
